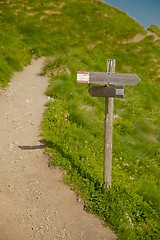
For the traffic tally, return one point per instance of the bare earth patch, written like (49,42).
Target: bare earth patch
(140,37)
(34,202)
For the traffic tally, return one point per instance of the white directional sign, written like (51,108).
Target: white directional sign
(83,77)
(104,78)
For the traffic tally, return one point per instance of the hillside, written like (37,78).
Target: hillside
(82,35)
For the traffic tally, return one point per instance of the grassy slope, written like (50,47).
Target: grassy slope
(81,35)
(154,29)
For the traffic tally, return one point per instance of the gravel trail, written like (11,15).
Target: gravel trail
(34,201)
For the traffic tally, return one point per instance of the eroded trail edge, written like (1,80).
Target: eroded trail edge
(34,202)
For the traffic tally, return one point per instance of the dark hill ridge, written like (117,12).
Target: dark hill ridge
(82,35)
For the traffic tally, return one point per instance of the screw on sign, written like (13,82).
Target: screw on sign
(112,87)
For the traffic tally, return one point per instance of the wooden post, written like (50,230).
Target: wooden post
(108,129)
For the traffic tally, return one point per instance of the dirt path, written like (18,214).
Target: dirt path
(140,37)
(34,202)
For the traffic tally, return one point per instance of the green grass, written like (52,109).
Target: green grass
(82,35)
(153,28)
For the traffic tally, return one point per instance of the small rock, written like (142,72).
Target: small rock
(11,145)
(29,100)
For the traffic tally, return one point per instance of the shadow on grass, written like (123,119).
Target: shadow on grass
(76,166)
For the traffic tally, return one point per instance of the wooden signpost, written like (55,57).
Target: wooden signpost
(112,87)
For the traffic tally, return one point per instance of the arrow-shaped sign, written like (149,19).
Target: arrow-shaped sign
(103,78)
